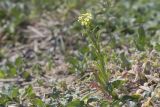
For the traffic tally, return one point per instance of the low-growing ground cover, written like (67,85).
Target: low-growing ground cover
(78,53)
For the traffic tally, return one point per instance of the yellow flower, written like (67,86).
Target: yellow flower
(85,19)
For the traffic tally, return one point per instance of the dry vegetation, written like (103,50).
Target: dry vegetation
(110,57)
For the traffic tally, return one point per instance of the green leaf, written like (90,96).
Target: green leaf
(18,62)
(2,74)
(10,92)
(14,92)
(29,92)
(4,99)
(104,104)
(38,103)
(114,84)
(84,50)
(157,47)
(117,83)
(2,14)
(92,99)
(140,41)
(26,76)
(76,103)
(12,71)
(116,103)
(124,61)
(130,98)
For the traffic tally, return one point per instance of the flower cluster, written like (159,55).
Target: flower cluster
(85,19)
